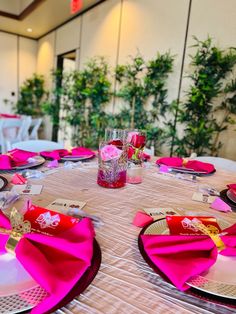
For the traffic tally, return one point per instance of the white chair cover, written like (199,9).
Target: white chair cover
(13,130)
(34,127)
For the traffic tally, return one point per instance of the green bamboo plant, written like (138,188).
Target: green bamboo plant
(31,96)
(211,66)
(142,86)
(51,106)
(86,93)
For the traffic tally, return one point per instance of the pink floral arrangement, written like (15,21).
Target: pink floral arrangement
(136,142)
(109,152)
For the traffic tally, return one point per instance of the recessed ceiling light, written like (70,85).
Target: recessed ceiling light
(29,30)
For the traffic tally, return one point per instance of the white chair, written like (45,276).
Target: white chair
(37,146)
(34,127)
(218,162)
(12,131)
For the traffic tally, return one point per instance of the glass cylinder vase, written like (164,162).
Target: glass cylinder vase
(134,173)
(112,165)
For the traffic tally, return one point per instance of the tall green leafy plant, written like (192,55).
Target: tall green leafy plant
(210,67)
(157,73)
(31,96)
(86,93)
(142,86)
(51,106)
(132,91)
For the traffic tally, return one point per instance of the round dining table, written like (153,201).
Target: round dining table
(125,284)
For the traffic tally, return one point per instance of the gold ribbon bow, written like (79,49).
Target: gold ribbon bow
(19,227)
(212,232)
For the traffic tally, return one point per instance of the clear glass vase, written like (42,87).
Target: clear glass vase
(112,165)
(134,172)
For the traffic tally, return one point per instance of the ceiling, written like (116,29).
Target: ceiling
(41,16)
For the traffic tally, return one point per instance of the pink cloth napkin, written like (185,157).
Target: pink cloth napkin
(197,253)
(190,164)
(55,154)
(18,179)
(230,241)
(55,262)
(59,153)
(11,116)
(232,188)
(180,257)
(81,151)
(14,158)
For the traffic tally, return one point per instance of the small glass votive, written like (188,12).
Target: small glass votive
(112,165)
(134,173)
(116,137)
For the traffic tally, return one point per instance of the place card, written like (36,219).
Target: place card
(160,212)
(187,225)
(203,197)
(66,207)
(27,189)
(48,222)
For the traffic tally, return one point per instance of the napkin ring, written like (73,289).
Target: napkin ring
(211,232)
(18,228)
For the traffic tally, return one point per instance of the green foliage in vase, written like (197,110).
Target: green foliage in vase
(142,86)
(51,106)
(211,66)
(31,96)
(86,93)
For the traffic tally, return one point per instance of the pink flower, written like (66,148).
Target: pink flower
(131,152)
(136,139)
(130,135)
(109,152)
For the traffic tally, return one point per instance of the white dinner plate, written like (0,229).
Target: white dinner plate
(18,290)
(219,280)
(77,158)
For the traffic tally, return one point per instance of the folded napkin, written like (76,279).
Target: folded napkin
(189,164)
(18,179)
(11,116)
(55,262)
(15,158)
(229,240)
(59,153)
(232,188)
(181,257)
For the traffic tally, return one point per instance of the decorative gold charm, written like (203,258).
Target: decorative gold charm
(19,227)
(212,232)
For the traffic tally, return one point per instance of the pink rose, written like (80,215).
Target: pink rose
(109,152)
(130,135)
(136,139)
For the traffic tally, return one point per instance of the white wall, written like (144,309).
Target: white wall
(27,58)
(9,71)
(151,26)
(46,62)
(100,30)
(68,37)
(17,63)
(46,57)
